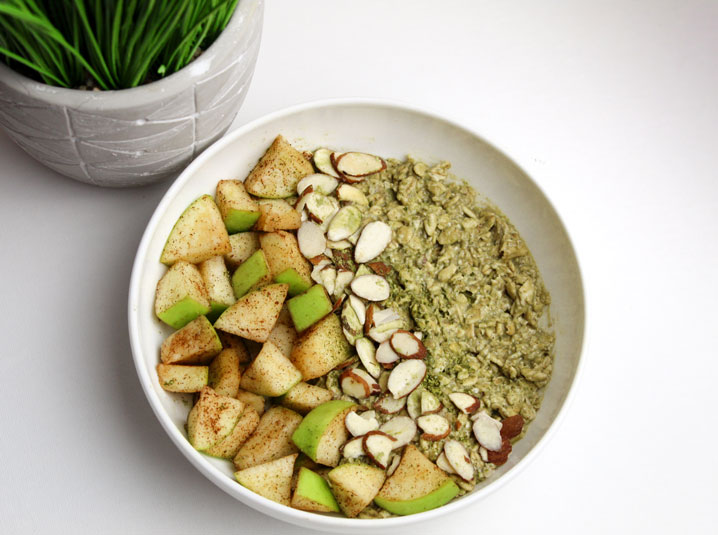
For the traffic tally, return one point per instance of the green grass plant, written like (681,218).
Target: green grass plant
(116,44)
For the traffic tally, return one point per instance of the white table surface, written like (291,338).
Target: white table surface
(612,106)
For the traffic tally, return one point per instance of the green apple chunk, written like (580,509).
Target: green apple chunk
(271,373)
(313,493)
(416,485)
(277,173)
(322,432)
(239,211)
(218,284)
(355,485)
(229,446)
(195,343)
(181,295)
(283,336)
(224,373)
(277,214)
(212,419)
(252,273)
(198,234)
(254,315)
(271,440)
(286,262)
(257,402)
(179,378)
(308,308)
(321,348)
(297,284)
(273,480)
(304,397)
(244,245)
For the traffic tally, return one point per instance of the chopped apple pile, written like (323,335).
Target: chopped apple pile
(274,285)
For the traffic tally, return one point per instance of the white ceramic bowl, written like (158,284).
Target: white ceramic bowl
(391,130)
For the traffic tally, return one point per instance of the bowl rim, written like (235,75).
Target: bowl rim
(220,479)
(142,94)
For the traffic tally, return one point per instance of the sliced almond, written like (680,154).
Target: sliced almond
(367,355)
(413,403)
(321,207)
(402,428)
(511,427)
(319,182)
(383,333)
(419,335)
(345,223)
(368,415)
(388,405)
(487,431)
(301,202)
(358,164)
(383,380)
(393,465)
(358,383)
(435,426)
(378,446)
(371,287)
(373,239)
(328,276)
(501,456)
(466,403)
(351,361)
(338,302)
(323,162)
(359,426)
(353,329)
(385,354)
(316,274)
(430,404)
(382,317)
(344,277)
(459,459)
(311,240)
(354,448)
(359,308)
(369,317)
(319,259)
(407,345)
(380,268)
(349,193)
(406,377)
(442,463)
(339,245)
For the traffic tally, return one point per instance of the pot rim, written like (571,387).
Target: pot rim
(244,12)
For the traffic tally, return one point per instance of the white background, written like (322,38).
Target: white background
(612,106)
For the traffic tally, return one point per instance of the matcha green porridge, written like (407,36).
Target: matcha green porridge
(361,336)
(463,277)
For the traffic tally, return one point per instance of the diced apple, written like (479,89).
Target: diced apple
(254,315)
(251,274)
(212,418)
(322,432)
(277,173)
(244,245)
(416,485)
(273,479)
(224,373)
(272,439)
(313,493)
(355,485)
(257,402)
(283,336)
(179,378)
(271,373)
(277,214)
(218,284)
(321,348)
(239,211)
(308,308)
(286,262)
(228,447)
(181,295)
(304,397)
(198,234)
(195,343)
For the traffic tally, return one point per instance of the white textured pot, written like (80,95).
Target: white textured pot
(141,135)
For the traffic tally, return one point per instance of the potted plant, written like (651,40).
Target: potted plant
(123,92)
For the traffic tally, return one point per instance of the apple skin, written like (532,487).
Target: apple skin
(215,310)
(181,313)
(307,436)
(240,220)
(442,495)
(308,308)
(311,487)
(250,273)
(297,284)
